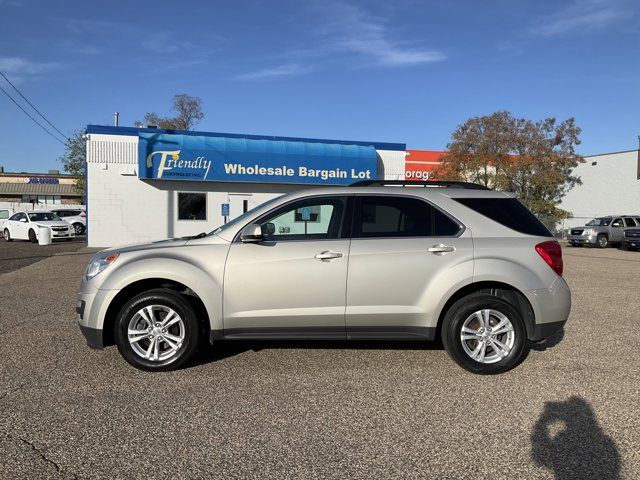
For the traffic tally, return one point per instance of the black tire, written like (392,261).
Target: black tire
(79,228)
(32,236)
(602,241)
(162,297)
(452,329)
(7,235)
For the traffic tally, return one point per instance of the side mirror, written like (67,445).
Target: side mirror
(23,220)
(251,234)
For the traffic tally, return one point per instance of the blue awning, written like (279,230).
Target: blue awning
(231,159)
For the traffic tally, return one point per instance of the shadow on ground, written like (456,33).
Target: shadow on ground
(568,440)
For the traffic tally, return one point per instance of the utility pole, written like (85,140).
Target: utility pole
(116,116)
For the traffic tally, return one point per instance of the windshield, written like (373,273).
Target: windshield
(43,217)
(599,222)
(242,217)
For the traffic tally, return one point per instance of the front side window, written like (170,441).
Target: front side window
(309,219)
(386,216)
(192,206)
(617,222)
(16,217)
(629,222)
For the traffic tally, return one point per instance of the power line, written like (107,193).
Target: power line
(29,115)
(32,106)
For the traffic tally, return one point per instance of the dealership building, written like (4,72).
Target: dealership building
(146,184)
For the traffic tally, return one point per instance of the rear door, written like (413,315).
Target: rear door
(293,283)
(399,246)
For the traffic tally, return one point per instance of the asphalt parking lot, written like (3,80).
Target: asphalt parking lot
(321,410)
(20,253)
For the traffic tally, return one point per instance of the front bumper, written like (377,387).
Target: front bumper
(91,309)
(631,242)
(582,239)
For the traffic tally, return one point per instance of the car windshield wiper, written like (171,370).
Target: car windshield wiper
(192,237)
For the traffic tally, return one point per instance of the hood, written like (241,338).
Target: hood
(52,223)
(169,242)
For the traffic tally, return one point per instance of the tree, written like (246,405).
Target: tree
(189,113)
(535,160)
(74,159)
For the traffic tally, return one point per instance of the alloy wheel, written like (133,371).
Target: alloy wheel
(487,336)
(156,333)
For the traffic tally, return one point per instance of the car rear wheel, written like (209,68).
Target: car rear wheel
(32,236)
(157,331)
(602,241)
(484,334)
(79,228)
(7,235)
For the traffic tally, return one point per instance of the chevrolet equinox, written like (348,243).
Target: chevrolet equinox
(380,260)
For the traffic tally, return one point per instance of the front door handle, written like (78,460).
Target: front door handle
(328,255)
(441,249)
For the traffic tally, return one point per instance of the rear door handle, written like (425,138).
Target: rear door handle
(328,255)
(441,249)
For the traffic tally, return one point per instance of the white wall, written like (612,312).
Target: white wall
(610,187)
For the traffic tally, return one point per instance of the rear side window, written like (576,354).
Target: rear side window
(386,216)
(508,212)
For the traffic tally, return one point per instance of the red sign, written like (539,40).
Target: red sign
(420,164)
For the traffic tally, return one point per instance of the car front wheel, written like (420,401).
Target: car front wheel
(602,241)
(78,228)
(484,334)
(157,331)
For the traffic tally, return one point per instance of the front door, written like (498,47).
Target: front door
(293,283)
(401,246)
(617,228)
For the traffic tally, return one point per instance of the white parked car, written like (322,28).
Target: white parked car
(25,226)
(75,216)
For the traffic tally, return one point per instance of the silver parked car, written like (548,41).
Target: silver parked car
(372,261)
(602,231)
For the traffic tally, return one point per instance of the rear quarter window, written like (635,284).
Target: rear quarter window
(508,212)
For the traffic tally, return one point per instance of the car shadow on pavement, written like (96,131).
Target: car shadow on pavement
(568,440)
(225,349)
(549,342)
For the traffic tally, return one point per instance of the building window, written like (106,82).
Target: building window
(192,206)
(42,199)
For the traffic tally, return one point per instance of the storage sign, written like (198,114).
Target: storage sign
(238,159)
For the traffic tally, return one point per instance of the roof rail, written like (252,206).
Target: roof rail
(409,183)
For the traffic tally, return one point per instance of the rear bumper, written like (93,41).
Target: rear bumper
(551,307)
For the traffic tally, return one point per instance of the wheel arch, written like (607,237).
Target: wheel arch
(500,289)
(140,286)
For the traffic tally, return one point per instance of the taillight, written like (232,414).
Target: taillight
(551,252)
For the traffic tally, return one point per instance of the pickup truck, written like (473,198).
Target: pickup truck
(602,231)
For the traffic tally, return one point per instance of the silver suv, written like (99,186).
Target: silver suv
(373,261)
(602,231)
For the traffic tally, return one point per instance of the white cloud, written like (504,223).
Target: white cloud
(275,72)
(164,42)
(347,29)
(22,67)
(584,15)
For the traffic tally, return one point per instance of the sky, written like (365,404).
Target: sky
(406,71)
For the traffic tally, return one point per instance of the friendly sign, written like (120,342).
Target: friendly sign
(166,156)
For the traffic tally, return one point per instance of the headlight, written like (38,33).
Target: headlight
(98,264)
(590,231)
